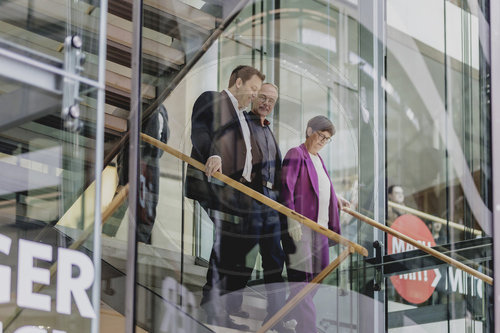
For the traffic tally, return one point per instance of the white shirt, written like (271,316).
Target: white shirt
(324,191)
(247,169)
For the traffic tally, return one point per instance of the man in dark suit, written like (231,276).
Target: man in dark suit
(222,141)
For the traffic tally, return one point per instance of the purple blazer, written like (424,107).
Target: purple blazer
(299,191)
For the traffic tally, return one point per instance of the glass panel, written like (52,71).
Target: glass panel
(47,195)
(176,235)
(39,29)
(435,162)
(171,259)
(407,108)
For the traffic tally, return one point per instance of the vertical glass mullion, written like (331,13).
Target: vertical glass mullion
(494,56)
(99,162)
(467,105)
(135,123)
(449,195)
(484,102)
(371,150)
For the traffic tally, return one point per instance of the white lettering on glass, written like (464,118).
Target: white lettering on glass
(5,272)
(455,277)
(68,285)
(397,245)
(30,329)
(177,321)
(28,275)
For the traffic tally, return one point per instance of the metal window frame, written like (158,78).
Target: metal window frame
(495,152)
(135,124)
(99,165)
(372,134)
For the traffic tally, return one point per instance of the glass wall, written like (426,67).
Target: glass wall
(411,150)
(171,260)
(437,139)
(49,87)
(405,85)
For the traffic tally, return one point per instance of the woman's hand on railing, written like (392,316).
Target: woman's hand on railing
(342,203)
(294,230)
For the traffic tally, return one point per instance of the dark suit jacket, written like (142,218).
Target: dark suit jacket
(216,130)
(287,242)
(254,122)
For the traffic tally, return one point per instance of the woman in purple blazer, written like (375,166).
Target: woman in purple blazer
(307,189)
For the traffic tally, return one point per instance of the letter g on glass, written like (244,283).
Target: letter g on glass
(5,271)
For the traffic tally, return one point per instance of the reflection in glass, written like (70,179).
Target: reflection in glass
(409,115)
(434,152)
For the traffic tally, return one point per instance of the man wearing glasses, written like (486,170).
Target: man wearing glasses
(265,221)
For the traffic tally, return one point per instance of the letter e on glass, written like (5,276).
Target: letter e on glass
(27,275)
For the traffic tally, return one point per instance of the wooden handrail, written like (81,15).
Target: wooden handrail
(313,225)
(311,286)
(258,196)
(114,204)
(424,248)
(434,218)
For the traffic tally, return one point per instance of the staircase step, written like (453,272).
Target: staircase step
(155,263)
(185,12)
(173,17)
(160,58)
(118,81)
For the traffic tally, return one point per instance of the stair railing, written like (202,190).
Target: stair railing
(351,246)
(259,197)
(433,218)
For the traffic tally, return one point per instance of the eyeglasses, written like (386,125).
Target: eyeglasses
(263,98)
(324,139)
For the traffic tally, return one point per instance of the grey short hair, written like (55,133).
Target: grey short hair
(271,84)
(320,123)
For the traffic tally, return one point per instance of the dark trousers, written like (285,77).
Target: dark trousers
(233,257)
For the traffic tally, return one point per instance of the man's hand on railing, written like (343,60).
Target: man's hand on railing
(214,164)
(294,230)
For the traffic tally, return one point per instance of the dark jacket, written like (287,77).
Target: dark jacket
(216,130)
(254,122)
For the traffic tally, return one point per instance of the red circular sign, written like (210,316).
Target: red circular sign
(415,287)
